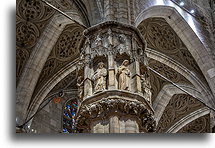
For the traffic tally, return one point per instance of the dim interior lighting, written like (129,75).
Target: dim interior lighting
(192,11)
(181,4)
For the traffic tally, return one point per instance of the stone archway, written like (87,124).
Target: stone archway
(44,91)
(36,62)
(196,45)
(184,72)
(165,96)
(188,119)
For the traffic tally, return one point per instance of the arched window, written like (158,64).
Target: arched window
(69,113)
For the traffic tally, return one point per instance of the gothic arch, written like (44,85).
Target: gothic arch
(188,119)
(196,45)
(53,81)
(165,96)
(183,71)
(181,110)
(37,60)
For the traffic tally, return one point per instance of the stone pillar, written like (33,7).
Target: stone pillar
(111,73)
(136,85)
(114,125)
(108,10)
(131,126)
(112,60)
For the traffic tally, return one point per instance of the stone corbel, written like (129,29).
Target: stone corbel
(105,107)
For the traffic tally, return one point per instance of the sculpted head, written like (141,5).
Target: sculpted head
(101,65)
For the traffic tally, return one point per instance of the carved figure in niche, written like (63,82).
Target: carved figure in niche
(147,94)
(98,41)
(99,78)
(124,76)
(122,41)
(80,84)
(110,38)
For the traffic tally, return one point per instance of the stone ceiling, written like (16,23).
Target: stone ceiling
(32,18)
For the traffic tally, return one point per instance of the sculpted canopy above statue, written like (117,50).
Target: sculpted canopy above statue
(112,38)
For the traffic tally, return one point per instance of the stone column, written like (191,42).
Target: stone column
(114,125)
(111,73)
(87,72)
(114,110)
(136,85)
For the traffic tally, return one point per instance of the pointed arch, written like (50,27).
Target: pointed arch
(37,60)
(186,27)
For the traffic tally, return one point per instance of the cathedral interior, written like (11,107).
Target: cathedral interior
(115,66)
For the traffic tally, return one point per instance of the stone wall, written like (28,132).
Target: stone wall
(50,118)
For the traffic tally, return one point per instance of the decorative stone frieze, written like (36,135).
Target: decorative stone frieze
(107,107)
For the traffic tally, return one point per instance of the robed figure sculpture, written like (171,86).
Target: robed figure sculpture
(124,76)
(99,78)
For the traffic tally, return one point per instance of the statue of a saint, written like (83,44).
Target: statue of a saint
(80,84)
(124,76)
(146,86)
(99,78)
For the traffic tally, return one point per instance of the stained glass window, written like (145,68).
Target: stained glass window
(69,114)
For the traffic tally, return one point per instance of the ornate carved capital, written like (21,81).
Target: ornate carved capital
(105,107)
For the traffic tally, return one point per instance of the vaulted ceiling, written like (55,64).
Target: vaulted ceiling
(32,18)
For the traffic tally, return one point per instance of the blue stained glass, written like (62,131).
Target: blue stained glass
(70,110)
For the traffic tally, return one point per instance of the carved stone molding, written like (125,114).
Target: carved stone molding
(64,52)
(111,38)
(200,125)
(105,108)
(157,82)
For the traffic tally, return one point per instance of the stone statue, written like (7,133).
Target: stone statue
(121,47)
(98,41)
(99,78)
(80,84)
(124,76)
(146,86)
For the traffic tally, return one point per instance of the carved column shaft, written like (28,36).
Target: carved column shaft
(111,73)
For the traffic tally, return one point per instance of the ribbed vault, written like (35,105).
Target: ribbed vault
(31,24)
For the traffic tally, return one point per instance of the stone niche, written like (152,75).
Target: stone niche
(113,81)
